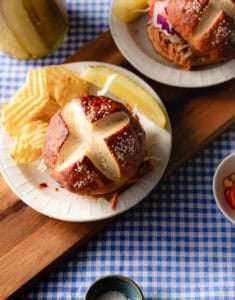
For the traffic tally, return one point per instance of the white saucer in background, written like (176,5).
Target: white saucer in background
(132,41)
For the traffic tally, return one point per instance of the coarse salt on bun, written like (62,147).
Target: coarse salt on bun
(192,32)
(94,145)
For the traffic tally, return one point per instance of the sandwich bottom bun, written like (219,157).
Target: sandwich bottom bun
(94,145)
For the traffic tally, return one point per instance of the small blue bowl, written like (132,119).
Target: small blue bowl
(114,283)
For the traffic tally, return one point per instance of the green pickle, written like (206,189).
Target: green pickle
(33,28)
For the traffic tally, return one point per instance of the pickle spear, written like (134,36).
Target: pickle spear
(48,20)
(9,43)
(127,90)
(23,29)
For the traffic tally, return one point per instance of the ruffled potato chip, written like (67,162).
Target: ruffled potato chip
(17,113)
(26,115)
(27,144)
(69,87)
(61,81)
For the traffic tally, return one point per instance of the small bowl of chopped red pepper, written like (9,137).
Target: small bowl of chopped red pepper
(224,187)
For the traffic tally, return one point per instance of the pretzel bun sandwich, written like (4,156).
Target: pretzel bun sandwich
(94,145)
(192,32)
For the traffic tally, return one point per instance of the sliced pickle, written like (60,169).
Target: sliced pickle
(48,20)
(9,43)
(23,29)
(127,90)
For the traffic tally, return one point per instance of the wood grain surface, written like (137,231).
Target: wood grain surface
(31,243)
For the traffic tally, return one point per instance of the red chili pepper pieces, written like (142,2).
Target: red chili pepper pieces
(230,195)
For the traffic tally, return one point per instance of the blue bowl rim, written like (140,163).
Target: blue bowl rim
(118,277)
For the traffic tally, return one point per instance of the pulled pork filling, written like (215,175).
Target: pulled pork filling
(165,40)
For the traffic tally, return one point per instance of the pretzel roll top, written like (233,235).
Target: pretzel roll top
(192,32)
(207,25)
(94,145)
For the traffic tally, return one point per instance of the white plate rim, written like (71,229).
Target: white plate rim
(29,193)
(165,73)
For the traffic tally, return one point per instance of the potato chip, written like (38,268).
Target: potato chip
(34,132)
(22,93)
(49,109)
(26,156)
(16,114)
(55,73)
(22,151)
(26,115)
(36,82)
(69,87)
(27,145)
(37,131)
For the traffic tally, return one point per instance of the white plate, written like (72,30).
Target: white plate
(223,170)
(132,41)
(63,205)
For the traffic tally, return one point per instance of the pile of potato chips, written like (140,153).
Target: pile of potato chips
(27,114)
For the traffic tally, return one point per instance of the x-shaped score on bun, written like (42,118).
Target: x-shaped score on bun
(228,6)
(217,6)
(212,12)
(94,145)
(88,138)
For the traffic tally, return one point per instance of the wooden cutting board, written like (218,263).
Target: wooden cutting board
(31,243)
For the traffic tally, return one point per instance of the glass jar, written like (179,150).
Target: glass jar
(31,28)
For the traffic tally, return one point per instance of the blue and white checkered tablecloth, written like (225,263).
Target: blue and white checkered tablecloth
(176,244)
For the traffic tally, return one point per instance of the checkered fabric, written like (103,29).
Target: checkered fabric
(87,19)
(175,244)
